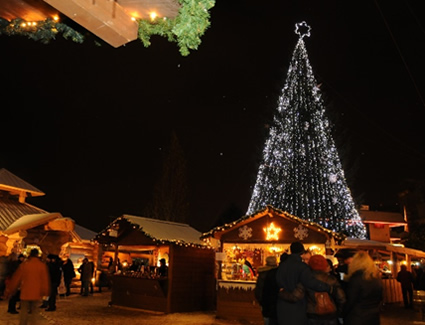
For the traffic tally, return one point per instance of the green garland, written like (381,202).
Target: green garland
(43,31)
(186,29)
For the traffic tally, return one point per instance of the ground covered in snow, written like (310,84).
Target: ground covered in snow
(95,310)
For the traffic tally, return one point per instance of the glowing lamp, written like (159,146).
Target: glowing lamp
(153,15)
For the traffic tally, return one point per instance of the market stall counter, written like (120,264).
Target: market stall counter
(142,293)
(158,265)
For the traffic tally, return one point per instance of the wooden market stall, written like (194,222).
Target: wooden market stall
(255,237)
(388,258)
(136,245)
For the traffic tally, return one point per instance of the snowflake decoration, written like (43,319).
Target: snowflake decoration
(305,29)
(300,232)
(245,232)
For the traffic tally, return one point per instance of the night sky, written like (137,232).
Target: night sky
(88,124)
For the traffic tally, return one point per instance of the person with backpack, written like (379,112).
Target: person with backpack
(291,274)
(323,308)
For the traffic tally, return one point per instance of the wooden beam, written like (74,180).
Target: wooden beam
(104,18)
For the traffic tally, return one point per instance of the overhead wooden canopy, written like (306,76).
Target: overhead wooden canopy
(143,8)
(111,20)
(29,10)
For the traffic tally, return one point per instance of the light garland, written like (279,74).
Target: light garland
(270,210)
(121,221)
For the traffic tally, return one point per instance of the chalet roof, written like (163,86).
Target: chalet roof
(84,233)
(394,219)
(161,230)
(15,185)
(217,231)
(31,221)
(11,210)
(376,245)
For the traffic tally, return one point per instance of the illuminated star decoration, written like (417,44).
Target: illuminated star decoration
(302,29)
(272,232)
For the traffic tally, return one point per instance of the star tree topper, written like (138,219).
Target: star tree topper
(302,29)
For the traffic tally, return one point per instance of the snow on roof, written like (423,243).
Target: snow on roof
(31,221)
(372,244)
(166,230)
(84,233)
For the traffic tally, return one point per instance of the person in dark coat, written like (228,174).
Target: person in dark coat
(321,271)
(364,291)
(12,266)
(344,256)
(406,280)
(266,290)
(290,274)
(55,273)
(163,268)
(86,274)
(68,274)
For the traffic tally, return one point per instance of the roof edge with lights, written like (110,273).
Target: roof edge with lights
(274,211)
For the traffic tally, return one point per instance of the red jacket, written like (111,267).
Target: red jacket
(32,277)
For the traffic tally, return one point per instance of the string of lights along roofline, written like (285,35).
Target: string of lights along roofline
(300,171)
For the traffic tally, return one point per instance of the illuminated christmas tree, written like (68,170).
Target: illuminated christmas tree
(301,172)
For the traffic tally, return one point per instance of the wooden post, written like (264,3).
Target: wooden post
(104,18)
(115,264)
(394,266)
(409,262)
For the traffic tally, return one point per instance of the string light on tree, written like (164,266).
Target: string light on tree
(301,172)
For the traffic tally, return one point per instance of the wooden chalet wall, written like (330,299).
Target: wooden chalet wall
(191,279)
(49,241)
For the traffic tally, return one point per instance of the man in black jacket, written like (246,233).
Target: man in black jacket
(55,272)
(266,290)
(406,280)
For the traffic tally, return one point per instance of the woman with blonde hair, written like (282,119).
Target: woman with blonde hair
(364,291)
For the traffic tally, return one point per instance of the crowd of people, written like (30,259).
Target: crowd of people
(299,289)
(305,289)
(27,281)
